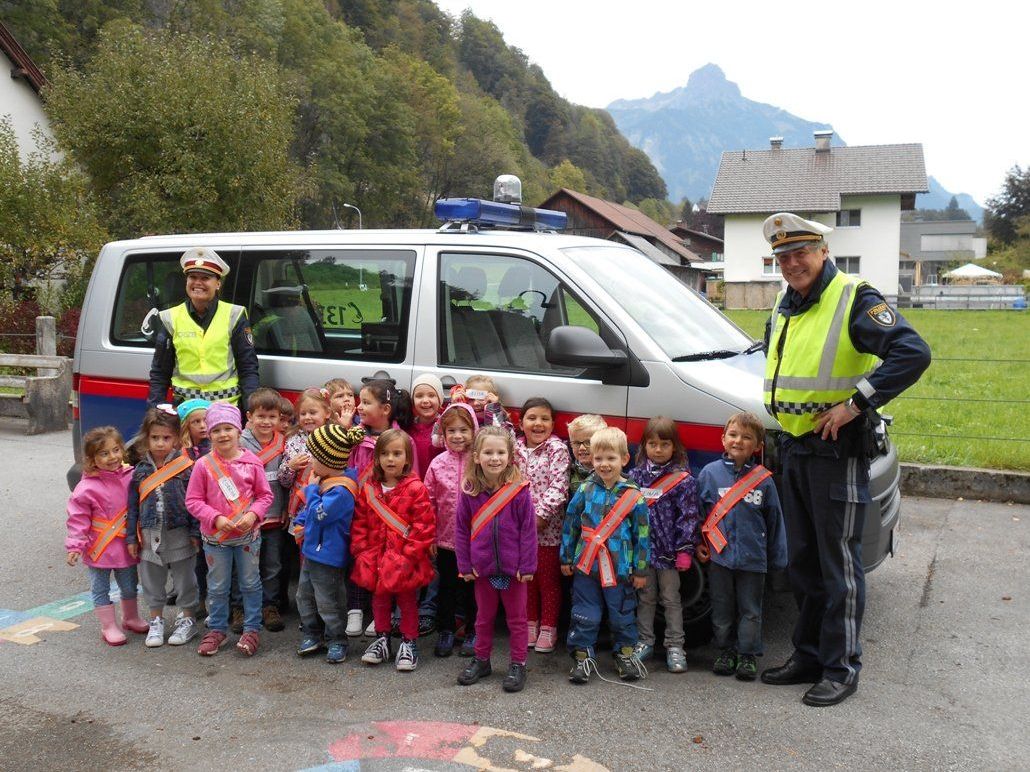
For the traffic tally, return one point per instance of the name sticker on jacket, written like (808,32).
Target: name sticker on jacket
(229,488)
(751,497)
(272,475)
(650,494)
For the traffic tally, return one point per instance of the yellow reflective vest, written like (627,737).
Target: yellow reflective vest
(205,366)
(812,364)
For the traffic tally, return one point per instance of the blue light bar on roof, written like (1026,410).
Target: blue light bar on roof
(482,212)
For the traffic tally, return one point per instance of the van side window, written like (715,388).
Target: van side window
(338,304)
(148,281)
(497,311)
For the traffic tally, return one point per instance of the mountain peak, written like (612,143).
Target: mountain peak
(709,83)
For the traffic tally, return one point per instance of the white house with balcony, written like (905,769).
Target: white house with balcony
(20,99)
(858,191)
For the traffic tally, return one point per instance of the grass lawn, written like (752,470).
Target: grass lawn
(957,413)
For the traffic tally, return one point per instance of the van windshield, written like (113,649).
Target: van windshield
(683,324)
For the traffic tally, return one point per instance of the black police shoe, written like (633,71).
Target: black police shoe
(476,669)
(791,672)
(827,692)
(516,678)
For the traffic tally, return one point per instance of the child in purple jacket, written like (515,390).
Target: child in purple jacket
(671,495)
(496,547)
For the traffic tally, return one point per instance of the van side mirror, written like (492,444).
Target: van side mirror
(571,346)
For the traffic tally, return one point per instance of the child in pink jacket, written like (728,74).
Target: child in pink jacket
(457,427)
(97,516)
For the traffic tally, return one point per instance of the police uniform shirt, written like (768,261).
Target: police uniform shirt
(875,328)
(242,344)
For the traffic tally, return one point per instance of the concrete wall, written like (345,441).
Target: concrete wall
(751,294)
(876,242)
(20,102)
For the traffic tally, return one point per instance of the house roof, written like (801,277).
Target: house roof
(627,220)
(23,64)
(680,230)
(801,179)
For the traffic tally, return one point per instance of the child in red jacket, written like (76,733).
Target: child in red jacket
(394,528)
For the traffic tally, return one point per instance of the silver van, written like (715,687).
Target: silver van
(594,326)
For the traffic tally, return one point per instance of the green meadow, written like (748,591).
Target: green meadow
(972,406)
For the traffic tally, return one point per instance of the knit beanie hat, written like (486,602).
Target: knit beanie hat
(331,444)
(428,379)
(222,413)
(190,406)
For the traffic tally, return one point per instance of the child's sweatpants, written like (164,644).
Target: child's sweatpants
(154,578)
(664,584)
(589,600)
(543,602)
(382,612)
(514,600)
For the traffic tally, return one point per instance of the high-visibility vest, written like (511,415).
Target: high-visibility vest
(205,367)
(812,364)
(741,488)
(595,540)
(493,506)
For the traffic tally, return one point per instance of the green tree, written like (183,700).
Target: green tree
(1006,209)
(49,228)
(568,175)
(661,211)
(954,212)
(177,134)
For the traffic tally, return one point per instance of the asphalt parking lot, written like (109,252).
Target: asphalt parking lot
(944,684)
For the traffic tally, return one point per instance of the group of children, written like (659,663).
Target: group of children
(426,513)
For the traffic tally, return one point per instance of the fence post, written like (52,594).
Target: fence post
(46,340)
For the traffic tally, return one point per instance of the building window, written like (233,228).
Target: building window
(849,218)
(848,264)
(770,267)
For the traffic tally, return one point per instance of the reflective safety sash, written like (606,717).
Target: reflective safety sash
(386,514)
(274,448)
(335,482)
(493,506)
(239,506)
(159,477)
(297,497)
(664,485)
(109,530)
(596,549)
(722,507)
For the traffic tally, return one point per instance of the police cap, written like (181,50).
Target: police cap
(203,259)
(786,231)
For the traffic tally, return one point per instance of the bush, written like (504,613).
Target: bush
(18,326)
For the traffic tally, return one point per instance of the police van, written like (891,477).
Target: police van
(593,325)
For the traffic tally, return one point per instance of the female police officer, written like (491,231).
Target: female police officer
(836,351)
(203,347)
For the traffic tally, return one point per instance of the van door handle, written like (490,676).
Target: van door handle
(448,382)
(379,375)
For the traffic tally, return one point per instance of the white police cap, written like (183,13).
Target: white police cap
(786,231)
(204,259)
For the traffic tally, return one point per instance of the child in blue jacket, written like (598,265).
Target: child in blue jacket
(323,530)
(743,540)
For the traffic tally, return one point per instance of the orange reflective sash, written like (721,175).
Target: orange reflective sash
(274,448)
(386,514)
(493,506)
(335,482)
(109,530)
(722,507)
(297,497)
(239,506)
(595,547)
(664,485)
(366,475)
(159,477)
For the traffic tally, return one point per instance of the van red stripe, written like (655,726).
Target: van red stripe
(113,387)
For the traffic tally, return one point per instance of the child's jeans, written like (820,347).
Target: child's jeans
(382,612)
(271,565)
(100,583)
(663,583)
(514,600)
(736,602)
(319,594)
(220,562)
(589,600)
(544,596)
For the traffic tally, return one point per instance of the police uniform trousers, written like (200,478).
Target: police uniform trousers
(824,503)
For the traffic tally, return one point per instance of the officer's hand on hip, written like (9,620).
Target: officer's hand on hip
(829,422)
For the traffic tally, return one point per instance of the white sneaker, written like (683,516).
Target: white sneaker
(370,631)
(354,621)
(407,656)
(185,630)
(156,634)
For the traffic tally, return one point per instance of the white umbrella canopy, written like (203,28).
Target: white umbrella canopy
(972,271)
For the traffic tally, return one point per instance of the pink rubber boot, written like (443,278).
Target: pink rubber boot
(109,629)
(131,619)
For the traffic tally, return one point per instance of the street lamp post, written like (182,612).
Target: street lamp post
(351,206)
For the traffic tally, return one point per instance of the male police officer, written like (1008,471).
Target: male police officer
(204,347)
(836,351)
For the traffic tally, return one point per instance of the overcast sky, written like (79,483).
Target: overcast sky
(879,72)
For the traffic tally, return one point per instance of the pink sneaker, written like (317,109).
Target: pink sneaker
(534,630)
(545,642)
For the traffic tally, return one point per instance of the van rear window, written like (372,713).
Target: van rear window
(148,281)
(334,304)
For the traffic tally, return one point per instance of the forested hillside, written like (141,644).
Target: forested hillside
(224,114)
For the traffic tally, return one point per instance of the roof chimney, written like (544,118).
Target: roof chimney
(822,140)
(775,142)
